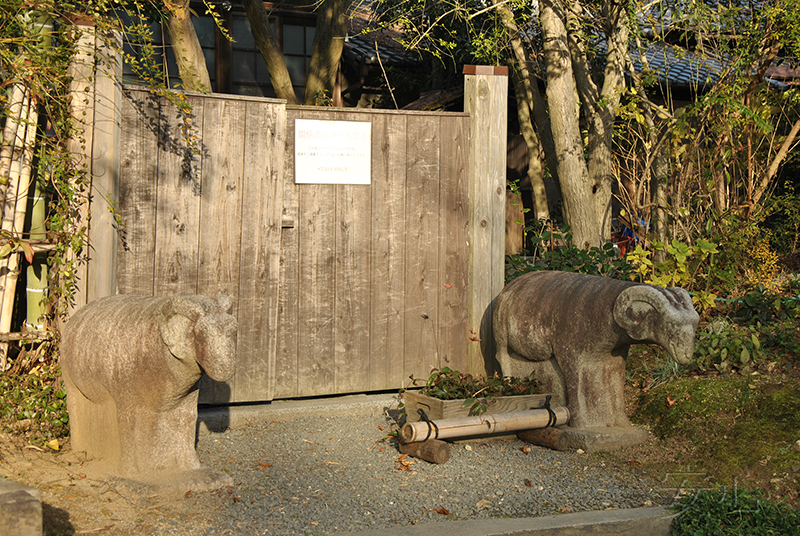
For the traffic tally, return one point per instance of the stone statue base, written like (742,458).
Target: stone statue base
(587,439)
(175,483)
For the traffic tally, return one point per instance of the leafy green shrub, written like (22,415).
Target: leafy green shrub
(733,512)
(555,250)
(34,405)
(724,346)
(760,305)
(783,340)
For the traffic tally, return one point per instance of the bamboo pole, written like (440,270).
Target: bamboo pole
(15,167)
(514,421)
(36,280)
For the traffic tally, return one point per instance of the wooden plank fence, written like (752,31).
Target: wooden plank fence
(337,288)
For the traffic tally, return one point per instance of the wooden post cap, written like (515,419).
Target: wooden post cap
(497,70)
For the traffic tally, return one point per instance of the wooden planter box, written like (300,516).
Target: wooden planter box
(437,409)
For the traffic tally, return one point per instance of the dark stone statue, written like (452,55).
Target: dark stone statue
(575,330)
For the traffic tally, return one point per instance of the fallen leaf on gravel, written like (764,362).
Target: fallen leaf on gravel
(403,464)
(526,448)
(634,462)
(567,509)
(262,465)
(528,483)
(443,511)
(483,503)
(53,444)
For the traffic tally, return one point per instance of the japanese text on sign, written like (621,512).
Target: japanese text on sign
(332,152)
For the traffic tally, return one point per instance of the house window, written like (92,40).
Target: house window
(235,67)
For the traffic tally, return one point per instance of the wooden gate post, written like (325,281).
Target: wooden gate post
(486,100)
(97,75)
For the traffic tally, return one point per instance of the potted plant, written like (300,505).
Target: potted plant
(450,394)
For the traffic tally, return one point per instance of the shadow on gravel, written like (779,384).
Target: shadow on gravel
(55,521)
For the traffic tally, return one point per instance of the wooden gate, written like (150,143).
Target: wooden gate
(337,288)
(374,278)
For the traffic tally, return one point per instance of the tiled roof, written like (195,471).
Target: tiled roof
(673,65)
(679,67)
(367,44)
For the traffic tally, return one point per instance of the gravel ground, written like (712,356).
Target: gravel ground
(311,469)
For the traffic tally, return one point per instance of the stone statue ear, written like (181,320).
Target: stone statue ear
(179,316)
(225,303)
(637,309)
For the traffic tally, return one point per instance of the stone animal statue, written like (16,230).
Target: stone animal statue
(574,331)
(131,366)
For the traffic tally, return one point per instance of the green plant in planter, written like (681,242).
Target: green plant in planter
(449,384)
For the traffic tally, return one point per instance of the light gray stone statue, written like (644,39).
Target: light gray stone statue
(131,365)
(575,330)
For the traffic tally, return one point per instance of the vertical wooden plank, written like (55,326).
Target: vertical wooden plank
(316,288)
(286,366)
(454,239)
(387,278)
(101,276)
(259,276)
(221,198)
(485,98)
(352,292)
(82,89)
(515,217)
(140,111)
(178,212)
(422,350)
(221,218)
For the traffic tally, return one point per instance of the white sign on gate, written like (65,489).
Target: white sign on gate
(332,152)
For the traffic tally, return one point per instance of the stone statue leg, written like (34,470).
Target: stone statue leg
(176,429)
(550,380)
(93,424)
(595,392)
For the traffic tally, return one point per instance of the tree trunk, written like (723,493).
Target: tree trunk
(600,106)
(327,50)
(188,53)
(273,57)
(529,89)
(576,189)
(535,171)
(521,78)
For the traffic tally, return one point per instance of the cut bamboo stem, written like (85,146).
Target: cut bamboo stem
(483,424)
